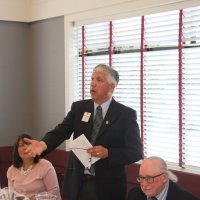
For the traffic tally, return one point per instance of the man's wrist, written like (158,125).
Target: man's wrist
(44,145)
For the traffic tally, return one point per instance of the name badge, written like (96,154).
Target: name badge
(86,117)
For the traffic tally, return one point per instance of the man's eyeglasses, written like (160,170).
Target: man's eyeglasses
(148,179)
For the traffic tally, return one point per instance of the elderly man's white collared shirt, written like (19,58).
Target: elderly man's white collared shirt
(163,194)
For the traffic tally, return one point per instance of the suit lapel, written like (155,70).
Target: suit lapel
(90,109)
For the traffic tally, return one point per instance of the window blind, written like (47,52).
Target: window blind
(157,57)
(161,117)
(126,60)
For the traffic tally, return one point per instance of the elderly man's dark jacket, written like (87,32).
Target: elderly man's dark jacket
(119,133)
(175,192)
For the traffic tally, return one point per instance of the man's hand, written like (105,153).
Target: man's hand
(35,147)
(98,151)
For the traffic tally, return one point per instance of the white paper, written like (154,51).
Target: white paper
(79,146)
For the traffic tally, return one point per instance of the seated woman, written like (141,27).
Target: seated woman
(31,175)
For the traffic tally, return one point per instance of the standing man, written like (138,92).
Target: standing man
(158,183)
(117,141)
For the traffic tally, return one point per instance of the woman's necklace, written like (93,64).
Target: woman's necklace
(27,171)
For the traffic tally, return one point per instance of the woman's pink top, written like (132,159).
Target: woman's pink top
(40,179)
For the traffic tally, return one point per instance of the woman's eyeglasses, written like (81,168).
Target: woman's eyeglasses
(23,144)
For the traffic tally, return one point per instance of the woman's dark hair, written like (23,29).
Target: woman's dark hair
(17,161)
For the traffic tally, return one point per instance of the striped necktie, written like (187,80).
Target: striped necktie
(98,119)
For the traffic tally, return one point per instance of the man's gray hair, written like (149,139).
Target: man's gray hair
(111,74)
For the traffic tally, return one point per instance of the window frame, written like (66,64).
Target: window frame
(180,103)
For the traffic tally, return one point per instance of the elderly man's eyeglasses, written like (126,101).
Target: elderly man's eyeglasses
(148,179)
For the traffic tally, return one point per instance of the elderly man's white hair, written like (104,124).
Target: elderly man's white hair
(163,166)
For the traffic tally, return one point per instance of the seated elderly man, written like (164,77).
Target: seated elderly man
(157,183)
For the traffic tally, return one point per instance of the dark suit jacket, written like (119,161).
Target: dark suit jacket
(175,192)
(119,133)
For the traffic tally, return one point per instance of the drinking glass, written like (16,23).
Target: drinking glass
(45,196)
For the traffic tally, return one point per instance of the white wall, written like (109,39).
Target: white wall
(129,9)
(14,10)
(33,10)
